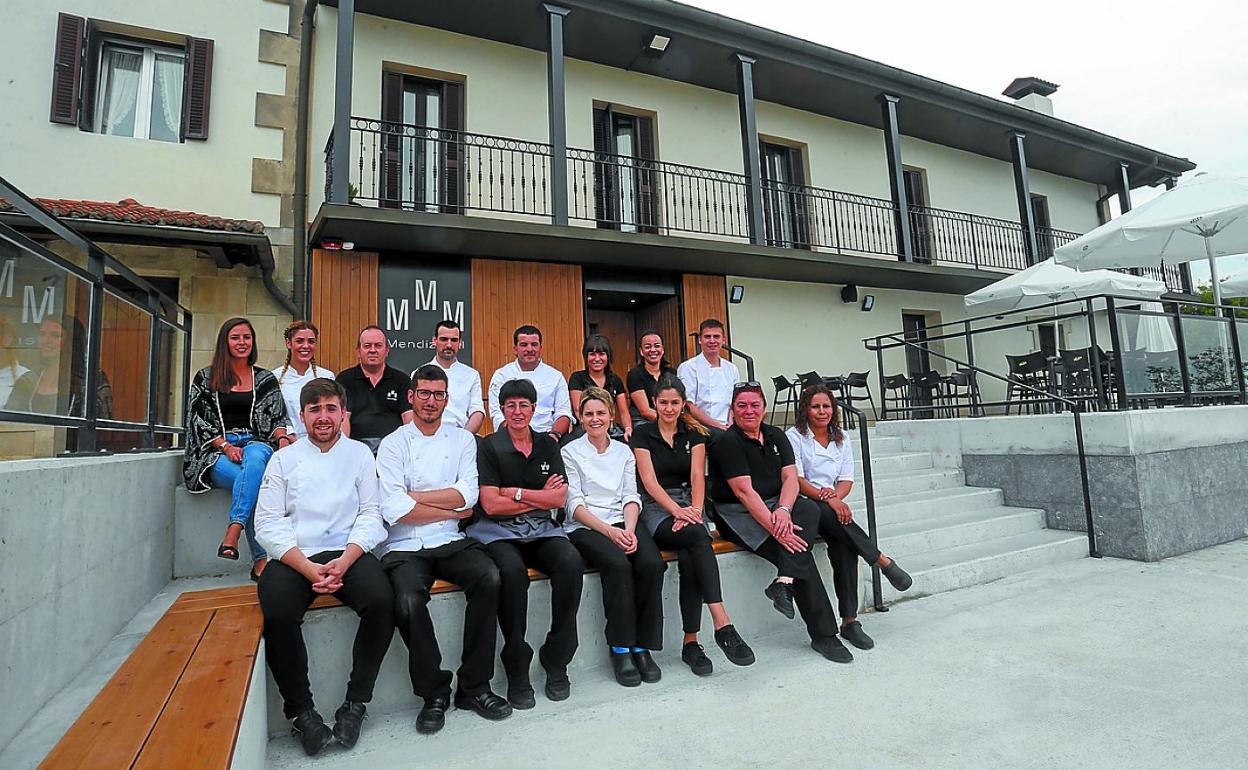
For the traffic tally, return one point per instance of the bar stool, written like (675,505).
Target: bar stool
(786,395)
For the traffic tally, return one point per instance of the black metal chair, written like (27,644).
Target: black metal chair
(897,391)
(1030,370)
(925,390)
(1077,381)
(853,382)
(806,379)
(786,395)
(962,389)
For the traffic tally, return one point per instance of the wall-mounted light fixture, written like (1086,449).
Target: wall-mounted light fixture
(868,302)
(736,294)
(658,43)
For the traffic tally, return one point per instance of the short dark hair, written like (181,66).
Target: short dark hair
(517,388)
(367,328)
(526,329)
(447,323)
(429,372)
(321,387)
(711,323)
(597,343)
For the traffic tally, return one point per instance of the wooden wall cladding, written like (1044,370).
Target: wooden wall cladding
(663,317)
(705,296)
(507,294)
(344,300)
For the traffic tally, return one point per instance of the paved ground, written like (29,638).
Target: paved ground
(1091,664)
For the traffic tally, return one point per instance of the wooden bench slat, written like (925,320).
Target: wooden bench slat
(200,722)
(130,704)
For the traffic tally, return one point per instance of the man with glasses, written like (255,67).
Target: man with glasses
(552,408)
(464,407)
(708,378)
(755,490)
(377,394)
(428,472)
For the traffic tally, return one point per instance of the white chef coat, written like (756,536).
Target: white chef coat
(710,387)
(603,482)
(552,395)
(410,461)
(820,465)
(463,389)
(291,383)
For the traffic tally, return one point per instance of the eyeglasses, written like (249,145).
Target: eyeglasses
(436,395)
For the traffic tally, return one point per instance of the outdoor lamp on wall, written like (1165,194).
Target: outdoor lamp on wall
(736,294)
(868,302)
(658,43)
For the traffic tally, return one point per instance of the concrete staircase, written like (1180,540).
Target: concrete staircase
(946,534)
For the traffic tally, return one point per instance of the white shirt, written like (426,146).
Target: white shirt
(710,387)
(319,501)
(291,383)
(8,377)
(410,461)
(820,465)
(463,389)
(552,395)
(603,482)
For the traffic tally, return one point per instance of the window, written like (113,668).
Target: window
(422,149)
(107,82)
(784,200)
(914,185)
(625,197)
(1044,226)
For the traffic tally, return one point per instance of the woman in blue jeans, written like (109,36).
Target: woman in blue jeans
(235,420)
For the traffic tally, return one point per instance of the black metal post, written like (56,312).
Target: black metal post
(186,373)
(340,163)
(896,176)
(749,150)
(1237,358)
(557,116)
(1093,551)
(95,331)
(1115,339)
(1094,352)
(1022,189)
(879,367)
(868,488)
(1178,338)
(1124,188)
(153,362)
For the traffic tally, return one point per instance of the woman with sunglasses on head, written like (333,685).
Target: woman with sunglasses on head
(671,463)
(825,469)
(300,369)
(597,374)
(643,379)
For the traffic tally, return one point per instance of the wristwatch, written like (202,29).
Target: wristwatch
(519,492)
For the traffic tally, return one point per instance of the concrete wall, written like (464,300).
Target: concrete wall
(87,543)
(1162,481)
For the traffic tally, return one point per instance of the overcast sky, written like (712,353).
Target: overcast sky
(1172,76)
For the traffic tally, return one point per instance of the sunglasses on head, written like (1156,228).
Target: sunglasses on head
(750,385)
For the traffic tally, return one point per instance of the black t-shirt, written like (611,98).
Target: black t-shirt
(500,464)
(640,379)
(582,381)
(376,412)
(733,454)
(236,409)
(671,463)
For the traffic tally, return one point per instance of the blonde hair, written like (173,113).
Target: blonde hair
(596,394)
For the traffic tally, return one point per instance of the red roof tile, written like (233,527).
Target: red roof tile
(131,211)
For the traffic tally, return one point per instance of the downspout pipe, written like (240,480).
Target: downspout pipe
(300,272)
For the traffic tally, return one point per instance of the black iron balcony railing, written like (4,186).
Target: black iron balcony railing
(434,170)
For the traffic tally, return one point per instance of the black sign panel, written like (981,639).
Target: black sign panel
(414,292)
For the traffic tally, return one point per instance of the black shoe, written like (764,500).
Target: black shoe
(347,722)
(558,686)
(433,715)
(649,670)
(625,669)
(485,703)
(313,733)
(695,657)
(781,595)
(854,634)
(897,577)
(734,647)
(831,648)
(520,695)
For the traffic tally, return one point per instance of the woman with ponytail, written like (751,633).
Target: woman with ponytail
(300,369)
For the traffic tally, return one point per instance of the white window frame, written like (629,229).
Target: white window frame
(147,79)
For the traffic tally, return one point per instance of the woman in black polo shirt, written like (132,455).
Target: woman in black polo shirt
(671,463)
(597,374)
(643,379)
(523,488)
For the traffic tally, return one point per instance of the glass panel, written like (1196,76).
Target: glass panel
(432,156)
(123,361)
(166,122)
(119,90)
(1241,329)
(626,149)
(24,441)
(169,388)
(1150,356)
(1207,343)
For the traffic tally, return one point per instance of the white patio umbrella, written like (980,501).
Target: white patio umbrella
(1048,281)
(1235,284)
(1153,333)
(1204,218)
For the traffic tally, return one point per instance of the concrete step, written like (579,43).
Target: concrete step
(958,529)
(880,445)
(898,463)
(908,483)
(925,506)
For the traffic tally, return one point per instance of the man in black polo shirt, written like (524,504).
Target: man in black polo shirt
(377,394)
(754,486)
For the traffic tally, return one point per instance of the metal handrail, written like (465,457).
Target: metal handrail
(868,490)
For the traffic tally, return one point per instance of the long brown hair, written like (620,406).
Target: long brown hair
(802,423)
(671,382)
(221,376)
(288,335)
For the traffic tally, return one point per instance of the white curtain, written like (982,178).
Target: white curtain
(167,99)
(123,88)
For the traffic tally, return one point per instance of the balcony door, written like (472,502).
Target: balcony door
(1044,226)
(421,147)
(914,185)
(625,196)
(784,197)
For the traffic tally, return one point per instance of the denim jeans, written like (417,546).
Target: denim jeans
(243,481)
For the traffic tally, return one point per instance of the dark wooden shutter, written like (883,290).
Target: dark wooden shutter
(196,88)
(391,139)
(90,78)
(647,193)
(452,146)
(797,175)
(604,152)
(67,56)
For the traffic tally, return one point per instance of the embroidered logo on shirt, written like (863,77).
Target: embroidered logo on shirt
(392,396)
(775,449)
(686,446)
(545,467)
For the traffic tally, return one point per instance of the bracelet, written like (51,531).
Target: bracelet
(785,508)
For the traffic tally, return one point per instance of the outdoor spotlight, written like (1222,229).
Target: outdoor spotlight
(849,293)
(868,302)
(658,43)
(736,294)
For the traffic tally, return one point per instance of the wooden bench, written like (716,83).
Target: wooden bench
(177,701)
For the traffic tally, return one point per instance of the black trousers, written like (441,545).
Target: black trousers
(284,598)
(560,561)
(846,542)
(412,573)
(632,587)
(808,591)
(699,571)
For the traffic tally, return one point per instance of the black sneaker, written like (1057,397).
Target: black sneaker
(432,715)
(897,577)
(649,670)
(312,732)
(558,686)
(486,703)
(831,648)
(695,657)
(734,647)
(625,669)
(348,720)
(854,634)
(520,695)
(781,595)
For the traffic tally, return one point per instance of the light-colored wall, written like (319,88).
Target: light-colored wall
(52,160)
(87,542)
